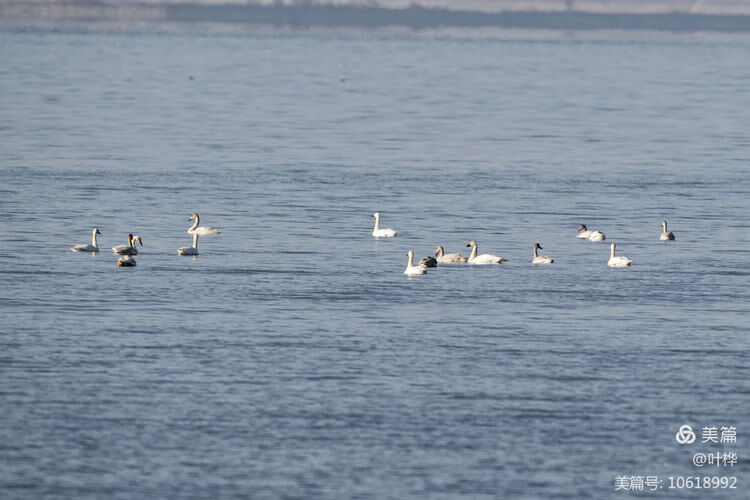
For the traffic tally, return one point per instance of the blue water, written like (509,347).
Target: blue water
(293,358)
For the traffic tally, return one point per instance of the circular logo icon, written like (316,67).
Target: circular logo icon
(685,435)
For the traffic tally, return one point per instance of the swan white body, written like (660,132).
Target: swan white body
(411,269)
(665,235)
(448,258)
(381,233)
(540,259)
(585,233)
(486,258)
(617,261)
(130,248)
(202,230)
(126,261)
(193,250)
(85,247)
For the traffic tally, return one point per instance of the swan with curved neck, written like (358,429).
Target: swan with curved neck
(665,235)
(411,269)
(130,248)
(586,234)
(540,259)
(193,250)
(381,233)
(448,258)
(203,230)
(617,261)
(486,258)
(85,247)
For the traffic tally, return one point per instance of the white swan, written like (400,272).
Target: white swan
(202,229)
(584,233)
(428,262)
(130,248)
(85,247)
(617,261)
(540,259)
(665,235)
(448,258)
(193,250)
(411,269)
(381,233)
(486,258)
(126,261)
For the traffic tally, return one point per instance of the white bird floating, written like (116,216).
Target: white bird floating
(411,269)
(665,235)
(202,230)
(130,248)
(126,261)
(381,233)
(584,233)
(617,261)
(486,258)
(193,250)
(85,247)
(540,259)
(448,258)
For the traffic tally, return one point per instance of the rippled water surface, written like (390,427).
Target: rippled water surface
(292,357)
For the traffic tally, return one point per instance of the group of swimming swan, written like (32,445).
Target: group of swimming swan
(455,258)
(127,251)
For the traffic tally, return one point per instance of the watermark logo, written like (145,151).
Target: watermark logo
(685,435)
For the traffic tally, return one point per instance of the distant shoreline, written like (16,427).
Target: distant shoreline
(372,17)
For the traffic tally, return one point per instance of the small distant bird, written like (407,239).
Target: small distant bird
(617,261)
(448,258)
(665,235)
(486,258)
(584,233)
(540,259)
(411,269)
(85,247)
(193,250)
(130,248)
(428,262)
(126,261)
(202,230)
(384,233)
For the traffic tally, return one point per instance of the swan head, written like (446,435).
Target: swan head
(582,227)
(96,231)
(472,243)
(192,216)
(439,250)
(538,246)
(664,224)
(138,239)
(376,215)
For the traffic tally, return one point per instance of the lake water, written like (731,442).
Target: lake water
(293,358)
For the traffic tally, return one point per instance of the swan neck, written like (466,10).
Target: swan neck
(664,224)
(195,224)
(535,252)
(441,251)
(195,241)
(612,251)
(93,239)
(473,252)
(411,260)
(377,222)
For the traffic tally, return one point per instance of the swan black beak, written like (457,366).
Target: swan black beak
(468,245)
